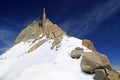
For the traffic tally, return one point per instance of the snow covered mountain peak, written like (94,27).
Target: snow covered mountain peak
(43,51)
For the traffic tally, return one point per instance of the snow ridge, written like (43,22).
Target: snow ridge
(43,63)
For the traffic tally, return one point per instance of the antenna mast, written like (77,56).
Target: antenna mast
(44,14)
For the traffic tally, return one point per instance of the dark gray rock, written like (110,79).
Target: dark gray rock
(100,74)
(106,74)
(76,53)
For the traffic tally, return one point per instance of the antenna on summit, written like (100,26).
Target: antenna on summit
(44,14)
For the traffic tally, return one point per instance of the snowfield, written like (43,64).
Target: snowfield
(43,63)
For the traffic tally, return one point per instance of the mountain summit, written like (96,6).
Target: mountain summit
(43,27)
(40,29)
(43,51)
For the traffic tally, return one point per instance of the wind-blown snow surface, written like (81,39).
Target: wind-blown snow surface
(43,63)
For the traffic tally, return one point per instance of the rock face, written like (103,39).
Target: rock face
(112,75)
(51,30)
(100,74)
(106,74)
(76,53)
(44,27)
(93,60)
(88,44)
(31,32)
(37,45)
(56,41)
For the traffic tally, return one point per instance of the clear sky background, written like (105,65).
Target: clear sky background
(96,20)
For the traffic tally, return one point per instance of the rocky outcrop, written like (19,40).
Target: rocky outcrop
(31,32)
(100,74)
(112,75)
(37,45)
(56,41)
(88,44)
(106,74)
(105,60)
(52,30)
(44,27)
(76,53)
(93,60)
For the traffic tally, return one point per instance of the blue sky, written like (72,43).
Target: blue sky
(97,20)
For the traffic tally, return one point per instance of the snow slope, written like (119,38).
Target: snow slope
(43,63)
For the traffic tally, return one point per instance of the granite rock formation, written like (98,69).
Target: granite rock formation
(76,53)
(88,44)
(93,60)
